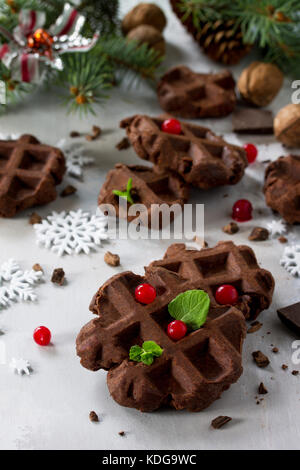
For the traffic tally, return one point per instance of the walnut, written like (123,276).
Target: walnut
(149,35)
(259,83)
(144,13)
(287,125)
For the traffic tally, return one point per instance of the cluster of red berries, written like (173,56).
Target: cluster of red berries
(177,329)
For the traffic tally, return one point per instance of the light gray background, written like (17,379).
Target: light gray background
(50,408)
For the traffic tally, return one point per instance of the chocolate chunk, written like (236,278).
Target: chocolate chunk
(122,433)
(35,219)
(259,234)
(201,157)
(260,359)
(29,173)
(111,259)
(284,367)
(282,239)
(218,422)
(231,228)
(282,187)
(295,372)
(185,93)
(252,121)
(275,350)
(255,326)
(93,417)
(290,316)
(262,389)
(58,276)
(124,144)
(68,191)
(123,322)
(37,267)
(74,134)
(96,132)
(148,188)
(223,261)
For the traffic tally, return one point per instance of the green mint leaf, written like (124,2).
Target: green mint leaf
(147,358)
(153,348)
(135,353)
(125,194)
(191,307)
(129,185)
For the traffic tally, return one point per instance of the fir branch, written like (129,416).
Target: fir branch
(101,16)
(130,58)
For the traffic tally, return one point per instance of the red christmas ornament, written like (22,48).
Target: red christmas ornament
(177,329)
(171,126)
(226,295)
(42,335)
(242,210)
(251,151)
(145,293)
(41,42)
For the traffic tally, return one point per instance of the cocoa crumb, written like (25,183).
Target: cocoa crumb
(275,350)
(112,259)
(37,267)
(262,389)
(68,191)
(231,228)
(93,417)
(282,239)
(123,144)
(74,134)
(218,422)
(58,276)
(35,218)
(255,326)
(260,359)
(284,367)
(121,433)
(96,132)
(259,234)
(295,372)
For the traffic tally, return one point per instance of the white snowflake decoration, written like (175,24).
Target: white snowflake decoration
(16,284)
(21,366)
(9,136)
(277,227)
(72,232)
(76,159)
(291,260)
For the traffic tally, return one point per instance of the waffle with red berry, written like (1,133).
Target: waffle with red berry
(200,157)
(190,372)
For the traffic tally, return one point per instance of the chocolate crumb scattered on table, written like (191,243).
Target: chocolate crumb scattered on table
(93,417)
(262,389)
(37,267)
(68,191)
(123,144)
(255,326)
(35,218)
(58,276)
(218,422)
(112,259)
(259,234)
(231,228)
(260,359)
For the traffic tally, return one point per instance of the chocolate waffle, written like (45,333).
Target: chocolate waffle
(191,373)
(226,263)
(185,93)
(197,154)
(282,187)
(29,172)
(148,188)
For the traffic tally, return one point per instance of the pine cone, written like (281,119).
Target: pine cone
(220,40)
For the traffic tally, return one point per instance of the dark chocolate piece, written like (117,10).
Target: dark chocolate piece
(93,417)
(58,276)
(275,350)
(295,372)
(190,374)
(262,389)
(197,154)
(282,187)
(261,359)
(259,234)
(187,94)
(29,173)
(290,316)
(226,263)
(252,121)
(148,188)
(218,422)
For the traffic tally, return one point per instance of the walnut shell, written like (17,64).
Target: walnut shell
(144,13)
(259,83)
(149,35)
(287,125)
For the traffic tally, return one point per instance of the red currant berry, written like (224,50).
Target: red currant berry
(171,126)
(177,330)
(242,210)
(226,295)
(42,335)
(145,293)
(251,151)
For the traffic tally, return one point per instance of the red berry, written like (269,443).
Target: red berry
(177,330)
(171,126)
(242,210)
(145,293)
(226,295)
(42,335)
(251,151)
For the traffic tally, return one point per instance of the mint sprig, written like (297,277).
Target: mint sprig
(191,307)
(125,194)
(146,353)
